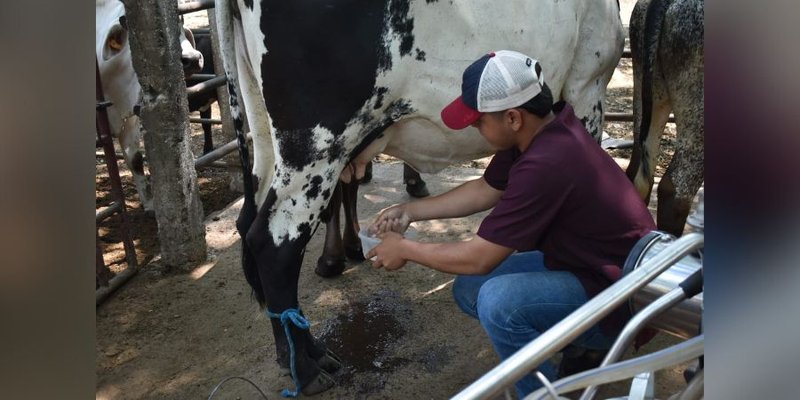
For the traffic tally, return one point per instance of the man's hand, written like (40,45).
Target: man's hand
(393,219)
(389,253)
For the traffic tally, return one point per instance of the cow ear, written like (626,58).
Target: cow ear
(115,41)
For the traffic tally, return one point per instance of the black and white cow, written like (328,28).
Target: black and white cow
(121,86)
(330,84)
(203,101)
(667,49)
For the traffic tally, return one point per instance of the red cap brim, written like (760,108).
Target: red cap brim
(458,115)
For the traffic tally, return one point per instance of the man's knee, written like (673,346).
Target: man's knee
(491,304)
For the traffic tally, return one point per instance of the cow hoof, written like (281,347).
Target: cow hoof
(354,253)
(417,188)
(329,362)
(329,268)
(321,383)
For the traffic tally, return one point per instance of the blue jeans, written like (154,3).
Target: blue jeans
(518,301)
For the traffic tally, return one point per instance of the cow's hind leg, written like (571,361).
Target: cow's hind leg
(351,242)
(332,260)
(684,176)
(651,103)
(415,186)
(208,139)
(681,59)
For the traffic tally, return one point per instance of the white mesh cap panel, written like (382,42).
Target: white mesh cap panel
(508,80)
(493,86)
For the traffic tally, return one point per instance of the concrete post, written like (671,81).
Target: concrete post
(153,30)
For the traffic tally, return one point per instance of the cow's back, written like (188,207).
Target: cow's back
(448,37)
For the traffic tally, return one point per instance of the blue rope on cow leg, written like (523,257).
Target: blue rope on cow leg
(291,315)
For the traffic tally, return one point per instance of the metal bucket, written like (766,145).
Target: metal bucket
(683,320)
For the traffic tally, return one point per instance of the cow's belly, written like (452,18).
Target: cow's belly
(429,148)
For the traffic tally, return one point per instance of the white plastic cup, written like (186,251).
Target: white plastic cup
(368,241)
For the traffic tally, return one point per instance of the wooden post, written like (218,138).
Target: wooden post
(153,30)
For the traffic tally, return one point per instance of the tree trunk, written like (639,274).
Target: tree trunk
(155,48)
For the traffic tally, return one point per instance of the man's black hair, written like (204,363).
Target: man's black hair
(541,104)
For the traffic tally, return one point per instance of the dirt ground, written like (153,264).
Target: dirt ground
(177,334)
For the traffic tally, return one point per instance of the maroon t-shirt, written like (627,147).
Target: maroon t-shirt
(566,197)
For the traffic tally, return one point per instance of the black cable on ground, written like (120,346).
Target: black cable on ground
(219,385)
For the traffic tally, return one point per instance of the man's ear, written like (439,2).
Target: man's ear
(513,117)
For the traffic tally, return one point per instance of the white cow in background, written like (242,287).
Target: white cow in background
(121,85)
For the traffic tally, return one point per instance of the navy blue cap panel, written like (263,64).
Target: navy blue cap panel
(470,81)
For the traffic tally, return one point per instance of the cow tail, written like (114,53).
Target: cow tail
(249,209)
(648,50)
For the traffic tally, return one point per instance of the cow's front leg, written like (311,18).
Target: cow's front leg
(278,269)
(277,239)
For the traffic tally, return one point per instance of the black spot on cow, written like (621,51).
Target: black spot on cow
(329,176)
(431,1)
(287,179)
(335,150)
(294,202)
(402,25)
(326,194)
(325,78)
(314,190)
(297,147)
(247,3)
(378,94)
(311,217)
(398,109)
(597,54)
(305,230)
(420,55)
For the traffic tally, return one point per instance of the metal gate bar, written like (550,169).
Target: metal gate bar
(104,138)
(564,332)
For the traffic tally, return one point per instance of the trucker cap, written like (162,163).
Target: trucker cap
(495,82)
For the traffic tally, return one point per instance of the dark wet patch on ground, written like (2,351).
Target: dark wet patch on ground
(365,337)
(434,358)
